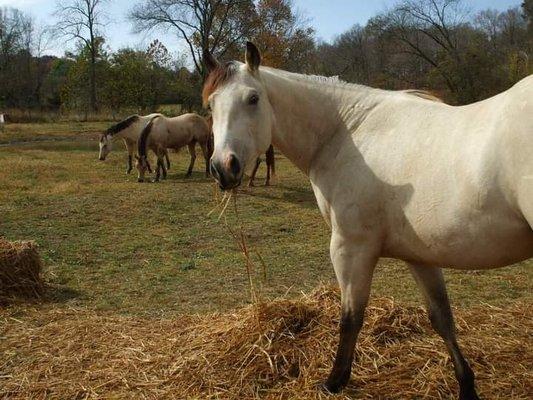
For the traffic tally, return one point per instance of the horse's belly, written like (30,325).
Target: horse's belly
(489,242)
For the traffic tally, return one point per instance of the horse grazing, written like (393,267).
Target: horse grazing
(162,133)
(394,174)
(129,130)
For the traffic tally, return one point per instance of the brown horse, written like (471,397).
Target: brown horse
(162,133)
(271,167)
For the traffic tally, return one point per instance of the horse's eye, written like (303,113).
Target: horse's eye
(254,99)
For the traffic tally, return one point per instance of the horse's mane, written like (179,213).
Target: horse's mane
(216,78)
(223,74)
(336,81)
(423,94)
(141,147)
(120,126)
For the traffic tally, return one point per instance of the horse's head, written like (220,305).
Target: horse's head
(142,165)
(242,116)
(105,146)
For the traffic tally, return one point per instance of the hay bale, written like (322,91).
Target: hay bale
(20,270)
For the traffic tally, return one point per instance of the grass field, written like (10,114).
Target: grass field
(112,244)
(127,264)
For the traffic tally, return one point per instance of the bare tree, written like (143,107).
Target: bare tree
(212,25)
(428,29)
(82,20)
(16,38)
(15,33)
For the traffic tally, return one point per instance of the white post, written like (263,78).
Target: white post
(2,122)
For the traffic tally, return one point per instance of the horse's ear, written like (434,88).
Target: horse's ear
(210,62)
(252,57)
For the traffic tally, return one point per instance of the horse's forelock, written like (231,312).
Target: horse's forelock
(218,77)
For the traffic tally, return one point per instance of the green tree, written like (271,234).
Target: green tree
(78,92)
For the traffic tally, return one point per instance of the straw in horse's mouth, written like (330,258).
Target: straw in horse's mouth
(226,189)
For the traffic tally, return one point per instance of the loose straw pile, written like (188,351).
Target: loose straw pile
(281,349)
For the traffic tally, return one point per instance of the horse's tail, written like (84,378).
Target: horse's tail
(270,159)
(143,140)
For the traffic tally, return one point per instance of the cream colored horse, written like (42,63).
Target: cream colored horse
(129,130)
(394,175)
(162,133)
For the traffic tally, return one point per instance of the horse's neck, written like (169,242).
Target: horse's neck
(128,133)
(309,113)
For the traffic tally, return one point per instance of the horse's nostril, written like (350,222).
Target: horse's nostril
(234,165)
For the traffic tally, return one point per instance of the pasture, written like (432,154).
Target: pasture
(114,248)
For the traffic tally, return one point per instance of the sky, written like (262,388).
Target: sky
(329,18)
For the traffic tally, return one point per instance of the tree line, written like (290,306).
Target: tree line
(437,45)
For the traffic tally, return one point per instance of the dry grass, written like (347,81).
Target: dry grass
(274,350)
(20,271)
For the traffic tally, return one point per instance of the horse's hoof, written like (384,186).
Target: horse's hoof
(330,389)
(335,383)
(140,180)
(469,396)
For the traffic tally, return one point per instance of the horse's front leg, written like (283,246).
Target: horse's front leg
(205,153)
(431,282)
(162,163)
(270,162)
(252,176)
(354,264)
(167,158)
(192,152)
(130,147)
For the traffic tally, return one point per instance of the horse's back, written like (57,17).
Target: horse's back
(198,125)
(448,177)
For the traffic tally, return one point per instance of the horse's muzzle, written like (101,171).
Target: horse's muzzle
(227,178)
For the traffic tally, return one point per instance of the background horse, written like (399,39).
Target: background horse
(394,174)
(270,164)
(162,133)
(128,130)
